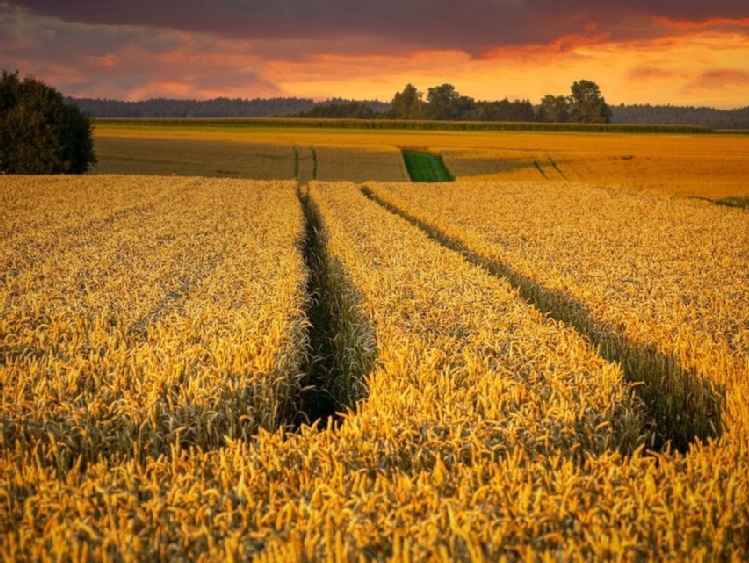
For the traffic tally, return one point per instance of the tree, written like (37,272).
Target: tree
(444,102)
(588,105)
(40,133)
(503,110)
(554,109)
(407,104)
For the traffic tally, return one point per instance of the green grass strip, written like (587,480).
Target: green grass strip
(425,167)
(741,202)
(734,201)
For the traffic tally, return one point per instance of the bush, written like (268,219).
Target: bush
(40,133)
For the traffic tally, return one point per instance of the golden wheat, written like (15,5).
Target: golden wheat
(657,272)
(489,432)
(175,317)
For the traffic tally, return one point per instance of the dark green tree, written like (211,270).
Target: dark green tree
(407,104)
(40,133)
(444,102)
(587,103)
(503,110)
(555,109)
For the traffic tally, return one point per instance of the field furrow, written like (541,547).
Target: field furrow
(657,283)
(471,426)
(462,350)
(305,164)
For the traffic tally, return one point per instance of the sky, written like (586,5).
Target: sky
(680,52)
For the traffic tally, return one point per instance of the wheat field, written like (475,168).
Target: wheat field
(161,312)
(712,166)
(647,273)
(709,166)
(156,348)
(267,154)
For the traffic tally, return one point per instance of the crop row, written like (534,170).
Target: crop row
(209,125)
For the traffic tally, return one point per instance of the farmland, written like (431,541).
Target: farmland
(295,354)
(637,292)
(712,166)
(192,306)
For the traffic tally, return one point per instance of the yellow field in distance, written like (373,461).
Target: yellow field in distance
(712,166)
(258,154)
(693,165)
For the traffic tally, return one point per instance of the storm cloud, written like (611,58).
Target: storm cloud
(473,26)
(638,50)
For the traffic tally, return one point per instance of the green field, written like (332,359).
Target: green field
(425,166)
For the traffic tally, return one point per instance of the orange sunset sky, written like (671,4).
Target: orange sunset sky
(638,51)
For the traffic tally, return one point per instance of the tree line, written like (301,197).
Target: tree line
(441,102)
(584,104)
(217,107)
(681,115)
(444,102)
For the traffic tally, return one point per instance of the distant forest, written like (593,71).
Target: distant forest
(465,108)
(217,107)
(681,115)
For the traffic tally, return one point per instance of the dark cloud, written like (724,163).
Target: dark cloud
(137,49)
(470,25)
(130,62)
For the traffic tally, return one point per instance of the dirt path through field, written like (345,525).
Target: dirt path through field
(305,165)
